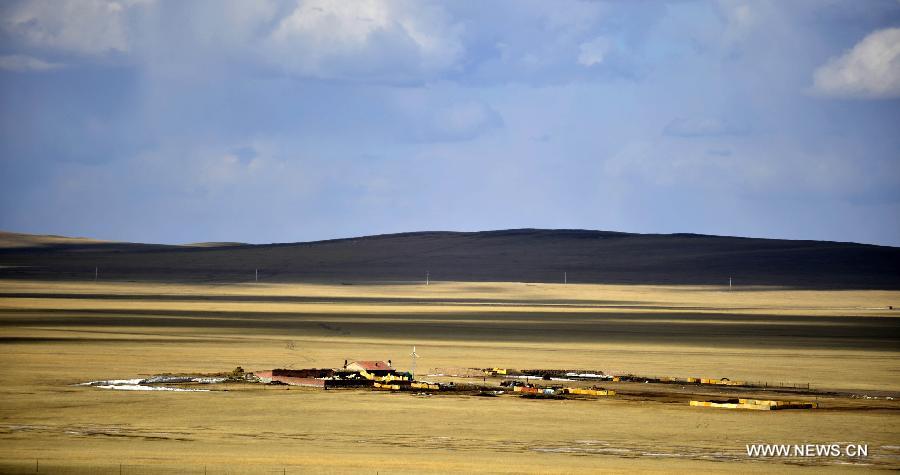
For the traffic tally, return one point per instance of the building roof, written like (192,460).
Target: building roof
(373,365)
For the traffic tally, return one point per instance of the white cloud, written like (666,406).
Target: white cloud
(685,164)
(463,121)
(373,39)
(700,127)
(376,41)
(202,171)
(21,63)
(343,25)
(80,26)
(594,52)
(870,70)
(741,19)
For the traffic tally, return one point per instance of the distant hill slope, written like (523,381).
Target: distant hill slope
(14,240)
(519,255)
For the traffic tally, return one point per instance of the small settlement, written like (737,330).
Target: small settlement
(492,382)
(529,383)
(357,374)
(381,375)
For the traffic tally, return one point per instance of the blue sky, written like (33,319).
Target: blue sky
(280,121)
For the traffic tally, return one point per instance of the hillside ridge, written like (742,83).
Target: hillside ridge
(511,255)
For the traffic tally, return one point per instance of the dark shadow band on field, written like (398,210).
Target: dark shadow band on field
(708,330)
(30,340)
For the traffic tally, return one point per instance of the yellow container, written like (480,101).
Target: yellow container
(590,392)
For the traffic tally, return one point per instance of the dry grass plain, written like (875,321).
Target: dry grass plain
(56,334)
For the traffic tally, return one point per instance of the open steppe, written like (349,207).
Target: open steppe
(56,334)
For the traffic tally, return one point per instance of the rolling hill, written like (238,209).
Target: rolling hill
(517,255)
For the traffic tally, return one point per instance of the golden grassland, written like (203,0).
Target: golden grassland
(747,298)
(54,335)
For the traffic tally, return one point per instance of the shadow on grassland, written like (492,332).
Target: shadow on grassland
(713,330)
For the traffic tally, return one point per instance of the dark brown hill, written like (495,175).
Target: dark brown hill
(520,255)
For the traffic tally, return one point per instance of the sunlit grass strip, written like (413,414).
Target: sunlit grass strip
(755,404)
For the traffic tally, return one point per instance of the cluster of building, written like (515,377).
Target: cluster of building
(382,375)
(352,374)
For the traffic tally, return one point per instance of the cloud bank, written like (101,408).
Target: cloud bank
(284,120)
(871,69)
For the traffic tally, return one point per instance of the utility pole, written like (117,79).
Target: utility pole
(96,273)
(729,283)
(257,275)
(427,277)
(414,356)
(565,278)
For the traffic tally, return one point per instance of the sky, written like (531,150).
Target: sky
(283,121)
